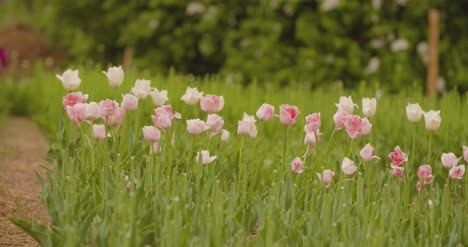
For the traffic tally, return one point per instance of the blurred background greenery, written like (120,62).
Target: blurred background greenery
(307,41)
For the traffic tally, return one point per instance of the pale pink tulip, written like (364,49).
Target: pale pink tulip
(339,118)
(413,112)
(93,111)
(397,157)
(432,120)
(155,148)
(425,174)
(116,119)
(313,122)
(195,126)
(72,99)
(225,136)
(419,185)
(141,89)
(346,103)
(214,123)
(398,171)
(457,172)
(151,134)
(265,112)
(348,167)
(191,96)
(99,131)
(296,165)
(367,153)
(129,102)
(449,160)
(356,126)
(108,107)
(465,153)
(369,107)
(212,103)
(310,140)
(326,177)
(163,117)
(77,113)
(204,157)
(247,127)
(159,98)
(288,114)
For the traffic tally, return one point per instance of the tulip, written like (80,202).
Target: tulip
(367,153)
(195,126)
(72,99)
(398,171)
(99,131)
(155,148)
(129,102)
(419,186)
(425,174)
(413,112)
(151,134)
(346,103)
(265,112)
(326,177)
(93,111)
(310,138)
(191,96)
(449,160)
(348,167)
(357,127)
(465,153)
(288,114)
(432,120)
(141,89)
(163,117)
(159,97)
(70,79)
(225,136)
(108,107)
(247,127)
(397,157)
(77,113)
(116,119)
(115,75)
(313,122)
(212,103)
(339,118)
(296,165)
(457,172)
(204,157)
(214,123)
(369,107)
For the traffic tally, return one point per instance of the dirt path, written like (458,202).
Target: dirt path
(22,151)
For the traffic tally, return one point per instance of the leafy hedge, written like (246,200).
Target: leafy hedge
(281,40)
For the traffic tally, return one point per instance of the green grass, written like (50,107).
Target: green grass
(177,202)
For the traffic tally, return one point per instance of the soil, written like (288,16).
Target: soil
(23,149)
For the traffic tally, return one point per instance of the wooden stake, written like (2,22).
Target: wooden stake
(127,57)
(433,67)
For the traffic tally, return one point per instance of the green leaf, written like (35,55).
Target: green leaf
(38,232)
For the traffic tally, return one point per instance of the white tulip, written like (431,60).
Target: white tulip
(115,75)
(70,79)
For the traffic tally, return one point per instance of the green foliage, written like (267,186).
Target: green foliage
(279,40)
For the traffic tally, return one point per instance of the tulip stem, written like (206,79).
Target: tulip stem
(412,147)
(328,145)
(429,147)
(284,144)
(240,156)
(349,147)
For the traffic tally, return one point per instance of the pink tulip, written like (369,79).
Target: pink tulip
(326,177)
(310,138)
(93,112)
(116,119)
(155,148)
(367,153)
(397,157)
(151,134)
(204,157)
(340,117)
(313,122)
(265,112)
(72,99)
(457,172)
(108,107)
(398,171)
(195,126)
(225,136)
(419,185)
(465,153)
(129,102)
(288,114)
(346,103)
(211,103)
(356,126)
(449,160)
(99,131)
(214,123)
(296,165)
(247,127)
(163,117)
(348,167)
(77,113)
(425,174)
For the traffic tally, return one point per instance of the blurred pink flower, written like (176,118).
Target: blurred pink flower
(72,99)
(265,112)
(288,114)
(457,172)
(99,131)
(204,157)
(195,126)
(108,107)
(247,127)
(326,177)
(151,134)
(340,117)
(367,153)
(129,102)
(449,160)
(397,157)
(296,165)
(425,174)
(214,123)
(212,103)
(313,122)
(116,119)
(348,167)
(398,171)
